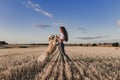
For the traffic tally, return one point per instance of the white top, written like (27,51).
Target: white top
(62,36)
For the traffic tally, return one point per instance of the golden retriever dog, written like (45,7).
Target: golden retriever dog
(51,48)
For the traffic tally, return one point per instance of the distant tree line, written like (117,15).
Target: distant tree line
(3,43)
(116,44)
(39,44)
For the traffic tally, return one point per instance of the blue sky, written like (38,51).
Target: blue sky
(87,21)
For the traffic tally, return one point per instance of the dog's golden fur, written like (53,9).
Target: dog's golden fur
(51,48)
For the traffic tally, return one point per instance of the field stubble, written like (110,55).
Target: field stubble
(88,63)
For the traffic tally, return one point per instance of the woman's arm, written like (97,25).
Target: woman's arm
(58,38)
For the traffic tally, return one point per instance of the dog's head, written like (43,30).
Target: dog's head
(52,39)
(52,44)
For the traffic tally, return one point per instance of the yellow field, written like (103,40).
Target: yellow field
(88,63)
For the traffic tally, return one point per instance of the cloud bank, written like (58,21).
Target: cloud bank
(42,25)
(37,8)
(81,28)
(90,38)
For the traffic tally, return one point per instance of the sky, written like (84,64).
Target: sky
(33,21)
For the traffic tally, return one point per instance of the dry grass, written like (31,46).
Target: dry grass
(88,63)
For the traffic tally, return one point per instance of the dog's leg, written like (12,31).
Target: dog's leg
(50,50)
(54,43)
(42,57)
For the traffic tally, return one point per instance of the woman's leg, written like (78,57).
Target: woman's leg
(62,50)
(66,54)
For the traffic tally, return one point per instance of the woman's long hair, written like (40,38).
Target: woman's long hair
(64,32)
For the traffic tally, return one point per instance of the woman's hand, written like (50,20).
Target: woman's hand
(58,38)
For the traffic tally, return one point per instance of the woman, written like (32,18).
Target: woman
(63,36)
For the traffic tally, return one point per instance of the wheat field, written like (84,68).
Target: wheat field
(88,63)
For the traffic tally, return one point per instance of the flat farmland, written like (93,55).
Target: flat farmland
(88,63)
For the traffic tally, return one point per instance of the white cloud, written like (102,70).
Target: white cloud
(118,22)
(37,8)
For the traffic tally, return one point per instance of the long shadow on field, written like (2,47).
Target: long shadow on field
(63,54)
